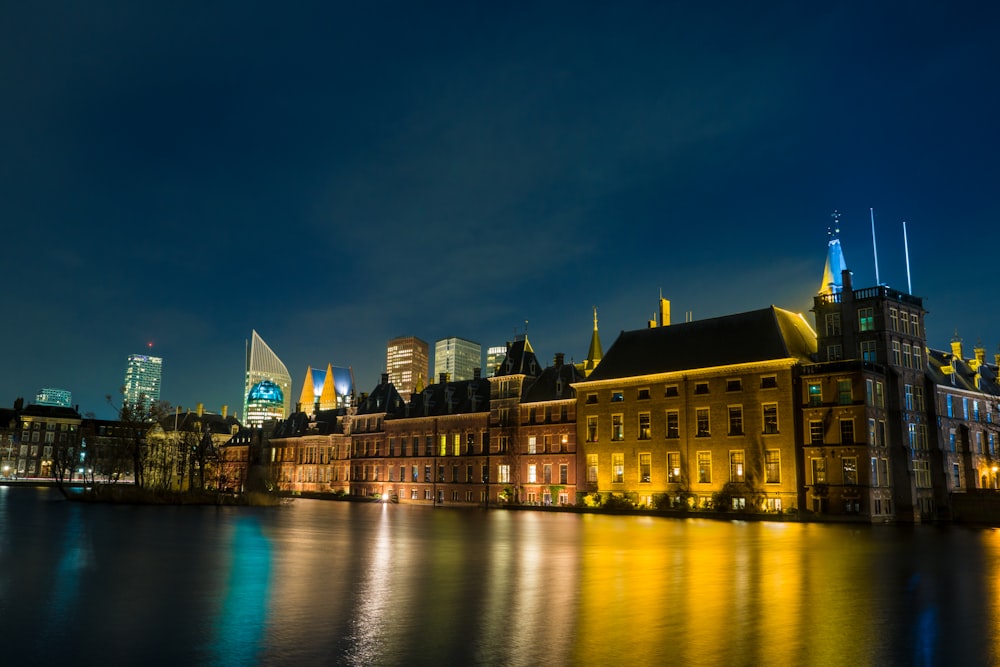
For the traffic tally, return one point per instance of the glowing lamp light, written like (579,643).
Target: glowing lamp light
(385,496)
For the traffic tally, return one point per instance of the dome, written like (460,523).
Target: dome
(266,391)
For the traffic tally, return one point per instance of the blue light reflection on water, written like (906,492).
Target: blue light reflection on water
(343,583)
(241,621)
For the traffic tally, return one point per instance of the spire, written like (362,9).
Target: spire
(328,397)
(595,353)
(308,396)
(835,264)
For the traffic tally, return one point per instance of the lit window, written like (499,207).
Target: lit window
(617,427)
(815,394)
(736,466)
(532,474)
(645,465)
(644,430)
(674,467)
(673,424)
(617,468)
(735,420)
(704,467)
(770,413)
(772,466)
(701,419)
(866,319)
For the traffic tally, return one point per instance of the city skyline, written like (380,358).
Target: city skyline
(463,171)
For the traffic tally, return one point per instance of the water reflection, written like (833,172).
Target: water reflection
(353,584)
(242,615)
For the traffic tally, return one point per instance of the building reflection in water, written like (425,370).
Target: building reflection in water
(243,613)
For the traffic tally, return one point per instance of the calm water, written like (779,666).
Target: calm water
(363,584)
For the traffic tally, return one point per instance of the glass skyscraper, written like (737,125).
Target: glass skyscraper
(457,357)
(142,381)
(407,361)
(264,364)
(62,398)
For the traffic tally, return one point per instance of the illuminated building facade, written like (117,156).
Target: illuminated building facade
(457,357)
(328,389)
(265,402)
(185,448)
(866,440)
(142,381)
(58,397)
(702,414)
(263,364)
(407,361)
(965,419)
(310,453)
(43,428)
(547,461)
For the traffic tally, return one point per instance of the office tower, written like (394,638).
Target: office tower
(142,381)
(62,398)
(264,364)
(457,357)
(265,401)
(494,357)
(407,361)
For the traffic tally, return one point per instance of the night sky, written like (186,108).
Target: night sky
(334,175)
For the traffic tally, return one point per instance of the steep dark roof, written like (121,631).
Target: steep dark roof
(383,399)
(298,423)
(210,422)
(451,398)
(50,411)
(963,376)
(554,384)
(757,335)
(520,359)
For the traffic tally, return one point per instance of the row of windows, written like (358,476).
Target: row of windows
(703,423)
(675,475)
(980,411)
(547,473)
(673,390)
(902,321)
(849,471)
(546,415)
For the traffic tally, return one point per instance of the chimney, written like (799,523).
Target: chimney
(651,324)
(477,373)
(845,279)
(664,312)
(443,378)
(385,378)
(558,361)
(201,409)
(956,346)
(980,353)
(225,411)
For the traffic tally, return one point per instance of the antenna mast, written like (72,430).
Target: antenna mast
(874,247)
(906,249)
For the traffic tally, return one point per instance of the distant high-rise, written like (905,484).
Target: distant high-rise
(264,364)
(457,357)
(142,381)
(265,402)
(62,398)
(408,363)
(494,357)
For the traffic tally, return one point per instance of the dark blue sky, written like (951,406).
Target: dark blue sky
(334,175)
